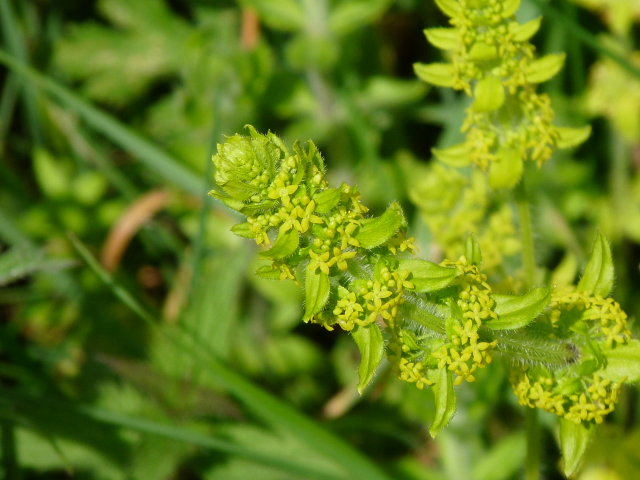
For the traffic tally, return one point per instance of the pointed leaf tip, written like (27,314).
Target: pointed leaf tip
(371,346)
(599,273)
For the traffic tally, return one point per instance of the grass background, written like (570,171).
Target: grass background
(135,341)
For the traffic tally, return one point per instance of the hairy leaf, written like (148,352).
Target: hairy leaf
(543,68)
(445,398)
(450,7)
(428,276)
(443,38)
(599,273)
(571,137)
(286,243)
(516,311)
(375,231)
(440,74)
(371,345)
(316,292)
(457,156)
(523,32)
(623,362)
(574,439)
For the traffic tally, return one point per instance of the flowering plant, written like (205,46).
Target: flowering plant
(568,347)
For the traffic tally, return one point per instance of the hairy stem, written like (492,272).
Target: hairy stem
(526,235)
(532,465)
(529,348)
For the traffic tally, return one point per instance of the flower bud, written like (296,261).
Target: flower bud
(246,166)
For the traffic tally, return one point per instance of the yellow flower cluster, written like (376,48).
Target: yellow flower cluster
(459,349)
(605,318)
(335,242)
(570,392)
(590,399)
(464,354)
(493,61)
(296,211)
(373,301)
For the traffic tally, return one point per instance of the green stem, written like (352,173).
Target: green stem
(532,468)
(9,454)
(529,348)
(532,465)
(526,235)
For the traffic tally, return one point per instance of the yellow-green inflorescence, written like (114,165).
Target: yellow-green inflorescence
(492,61)
(578,392)
(437,323)
(357,271)
(459,350)
(456,204)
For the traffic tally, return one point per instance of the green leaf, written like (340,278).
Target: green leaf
(20,262)
(440,74)
(449,7)
(268,272)
(371,345)
(543,68)
(53,175)
(261,403)
(516,311)
(455,156)
(326,200)
(574,439)
(443,38)
(488,94)
(472,251)
(349,15)
(316,292)
(599,273)
(503,460)
(510,7)
(523,32)
(445,399)
(483,52)
(428,276)
(375,231)
(572,137)
(146,152)
(243,230)
(286,243)
(285,15)
(506,169)
(623,362)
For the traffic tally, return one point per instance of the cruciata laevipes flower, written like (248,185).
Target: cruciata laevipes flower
(437,323)
(493,62)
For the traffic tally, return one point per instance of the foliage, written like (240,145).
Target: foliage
(140,339)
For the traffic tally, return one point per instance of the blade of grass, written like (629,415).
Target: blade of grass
(585,36)
(153,157)
(16,44)
(271,410)
(10,233)
(287,464)
(20,262)
(28,411)
(198,240)
(7,106)
(9,456)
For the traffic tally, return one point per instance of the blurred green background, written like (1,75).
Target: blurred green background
(136,343)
